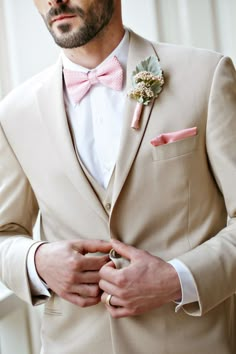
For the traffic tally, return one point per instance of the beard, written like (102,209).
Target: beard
(94,20)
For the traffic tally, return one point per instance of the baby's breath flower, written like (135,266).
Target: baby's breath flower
(147,83)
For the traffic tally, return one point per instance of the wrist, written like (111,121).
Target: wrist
(39,260)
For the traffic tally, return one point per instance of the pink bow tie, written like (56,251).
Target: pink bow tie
(109,74)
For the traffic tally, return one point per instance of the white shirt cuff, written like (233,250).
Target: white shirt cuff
(37,286)
(187,282)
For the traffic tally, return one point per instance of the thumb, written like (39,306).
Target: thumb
(109,264)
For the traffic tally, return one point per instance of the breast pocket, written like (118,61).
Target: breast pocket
(174,149)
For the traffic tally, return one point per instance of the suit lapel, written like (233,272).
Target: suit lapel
(52,112)
(131,139)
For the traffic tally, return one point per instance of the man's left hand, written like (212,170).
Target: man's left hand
(146,283)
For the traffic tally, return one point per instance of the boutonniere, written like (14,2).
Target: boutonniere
(147,82)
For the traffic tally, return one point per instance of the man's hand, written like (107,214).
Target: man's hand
(148,282)
(71,274)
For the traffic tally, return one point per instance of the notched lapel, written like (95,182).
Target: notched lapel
(131,138)
(52,111)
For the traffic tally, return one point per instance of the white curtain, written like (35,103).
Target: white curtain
(4,68)
(202,23)
(26,47)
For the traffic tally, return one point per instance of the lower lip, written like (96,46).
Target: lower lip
(63,19)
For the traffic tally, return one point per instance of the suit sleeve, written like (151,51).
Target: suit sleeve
(18,213)
(213,263)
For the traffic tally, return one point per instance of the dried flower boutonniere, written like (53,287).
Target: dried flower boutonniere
(147,81)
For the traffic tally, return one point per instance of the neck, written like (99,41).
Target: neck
(98,49)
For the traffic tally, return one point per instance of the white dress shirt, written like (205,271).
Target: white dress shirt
(96,124)
(97,120)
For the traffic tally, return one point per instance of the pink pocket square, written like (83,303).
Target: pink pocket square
(174,136)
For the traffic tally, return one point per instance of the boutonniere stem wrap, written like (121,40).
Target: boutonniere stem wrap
(147,82)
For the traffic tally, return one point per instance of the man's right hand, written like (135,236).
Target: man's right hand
(72,275)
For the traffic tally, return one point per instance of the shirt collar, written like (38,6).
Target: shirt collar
(121,52)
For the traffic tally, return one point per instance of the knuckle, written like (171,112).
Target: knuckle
(102,272)
(144,253)
(93,291)
(82,303)
(123,294)
(95,279)
(63,294)
(100,261)
(74,263)
(121,280)
(100,283)
(132,312)
(66,288)
(96,291)
(75,245)
(71,279)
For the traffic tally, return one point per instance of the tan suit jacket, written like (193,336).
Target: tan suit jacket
(170,200)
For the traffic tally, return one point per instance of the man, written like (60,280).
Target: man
(156,196)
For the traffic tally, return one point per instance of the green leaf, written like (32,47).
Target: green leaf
(150,64)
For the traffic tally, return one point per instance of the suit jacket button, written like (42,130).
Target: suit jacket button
(108,206)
